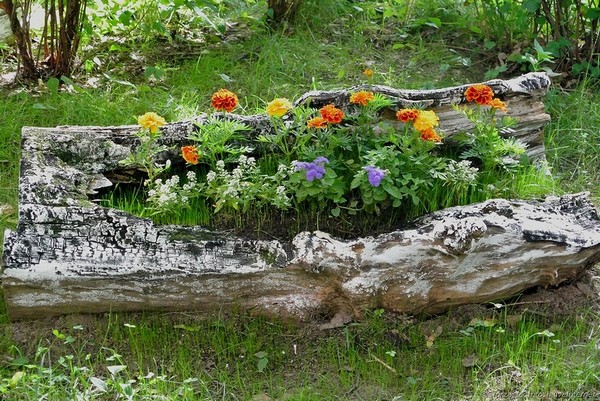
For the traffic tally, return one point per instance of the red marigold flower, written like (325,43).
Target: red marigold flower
(317,122)
(498,104)
(430,135)
(331,114)
(481,94)
(224,100)
(190,154)
(406,115)
(362,97)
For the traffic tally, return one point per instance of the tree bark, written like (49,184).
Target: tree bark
(28,65)
(71,255)
(283,10)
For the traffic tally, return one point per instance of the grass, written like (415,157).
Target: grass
(490,354)
(484,353)
(573,139)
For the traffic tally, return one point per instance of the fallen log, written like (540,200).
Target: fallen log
(70,255)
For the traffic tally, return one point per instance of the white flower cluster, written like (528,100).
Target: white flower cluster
(460,173)
(245,185)
(164,194)
(169,194)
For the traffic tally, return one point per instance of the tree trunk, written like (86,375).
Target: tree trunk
(59,41)
(71,255)
(28,69)
(283,10)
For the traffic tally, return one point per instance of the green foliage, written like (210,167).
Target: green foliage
(345,163)
(538,32)
(217,138)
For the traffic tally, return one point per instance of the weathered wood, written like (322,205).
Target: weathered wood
(74,259)
(71,255)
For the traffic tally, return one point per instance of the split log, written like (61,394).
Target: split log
(71,255)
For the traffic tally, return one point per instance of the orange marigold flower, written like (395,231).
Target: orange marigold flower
(481,94)
(331,114)
(368,72)
(224,100)
(430,135)
(190,154)
(152,121)
(426,120)
(278,107)
(498,104)
(362,97)
(406,115)
(317,122)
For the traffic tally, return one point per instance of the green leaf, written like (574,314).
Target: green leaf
(125,17)
(335,212)
(489,44)
(356,182)
(58,334)
(187,328)
(434,22)
(21,360)
(592,13)
(40,106)
(226,78)
(392,190)
(262,364)
(476,29)
(531,5)
(53,84)
(16,378)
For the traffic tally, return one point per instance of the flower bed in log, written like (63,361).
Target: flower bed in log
(360,163)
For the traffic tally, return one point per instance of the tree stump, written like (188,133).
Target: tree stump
(70,255)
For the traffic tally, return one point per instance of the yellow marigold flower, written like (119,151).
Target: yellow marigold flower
(368,72)
(190,154)
(317,122)
(498,104)
(224,100)
(152,121)
(278,107)
(481,94)
(430,135)
(362,97)
(406,115)
(426,120)
(332,114)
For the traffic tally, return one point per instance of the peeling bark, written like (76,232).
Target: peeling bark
(71,255)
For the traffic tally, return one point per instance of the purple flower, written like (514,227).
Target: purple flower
(317,173)
(375,175)
(300,165)
(321,160)
(314,170)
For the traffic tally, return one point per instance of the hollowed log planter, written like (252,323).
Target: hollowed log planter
(71,255)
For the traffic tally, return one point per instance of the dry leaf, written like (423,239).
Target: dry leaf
(339,320)
(470,361)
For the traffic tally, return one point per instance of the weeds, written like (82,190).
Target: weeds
(236,356)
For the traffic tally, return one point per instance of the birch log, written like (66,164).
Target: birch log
(70,255)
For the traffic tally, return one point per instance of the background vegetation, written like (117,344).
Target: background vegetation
(169,56)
